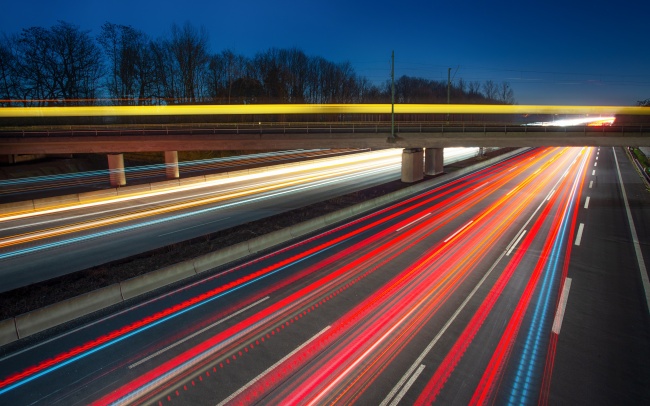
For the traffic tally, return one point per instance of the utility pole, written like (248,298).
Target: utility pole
(448,85)
(392,96)
(448,90)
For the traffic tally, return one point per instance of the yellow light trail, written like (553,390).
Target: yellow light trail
(182,110)
(317,164)
(336,168)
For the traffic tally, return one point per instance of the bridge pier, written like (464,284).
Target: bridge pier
(171,164)
(433,160)
(412,165)
(116,173)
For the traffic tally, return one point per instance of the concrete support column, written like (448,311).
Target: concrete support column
(412,165)
(8,159)
(433,160)
(116,170)
(171,164)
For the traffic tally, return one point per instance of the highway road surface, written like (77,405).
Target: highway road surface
(518,284)
(49,243)
(36,187)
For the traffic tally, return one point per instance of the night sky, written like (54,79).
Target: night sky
(551,52)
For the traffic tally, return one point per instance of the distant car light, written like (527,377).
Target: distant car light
(588,121)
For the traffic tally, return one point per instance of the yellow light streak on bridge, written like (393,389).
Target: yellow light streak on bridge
(182,110)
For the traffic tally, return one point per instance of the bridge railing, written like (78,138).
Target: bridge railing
(306,128)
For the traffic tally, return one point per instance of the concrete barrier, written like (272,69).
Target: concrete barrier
(258,170)
(216,176)
(8,208)
(55,201)
(306,227)
(269,240)
(62,312)
(8,332)
(221,257)
(368,205)
(97,194)
(234,174)
(128,190)
(165,184)
(156,279)
(339,215)
(191,181)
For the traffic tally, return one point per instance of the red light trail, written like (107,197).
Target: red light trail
(454,228)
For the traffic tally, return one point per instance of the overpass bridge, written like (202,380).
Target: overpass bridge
(357,126)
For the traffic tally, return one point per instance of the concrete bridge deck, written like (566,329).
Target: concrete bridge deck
(335,126)
(310,135)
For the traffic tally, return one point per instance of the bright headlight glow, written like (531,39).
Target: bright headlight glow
(567,122)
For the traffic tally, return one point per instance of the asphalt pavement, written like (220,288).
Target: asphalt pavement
(516,284)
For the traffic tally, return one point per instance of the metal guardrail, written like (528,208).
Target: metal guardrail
(639,167)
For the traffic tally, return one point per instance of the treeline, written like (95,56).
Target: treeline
(64,65)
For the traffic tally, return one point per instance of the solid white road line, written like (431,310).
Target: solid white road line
(271,368)
(635,238)
(587,202)
(406,387)
(550,195)
(461,229)
(579,235)
(444,328)
(414,221)
(565,173)
(453,317)
(561,306)
(155,354)
(516,242)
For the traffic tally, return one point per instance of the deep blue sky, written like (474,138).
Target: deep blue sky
(551,52)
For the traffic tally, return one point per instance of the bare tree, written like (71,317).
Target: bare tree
(146,71)
(474,88)
(166,72)
(10,86)
(461,86)
(490,90)
(295,65)
(61,64)
(79,62)
(233,66)
(36,65)
(223,70)
(271,73)
(188,46)
(506,94)
(131,63)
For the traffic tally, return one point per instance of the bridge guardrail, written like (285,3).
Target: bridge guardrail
(316,128)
